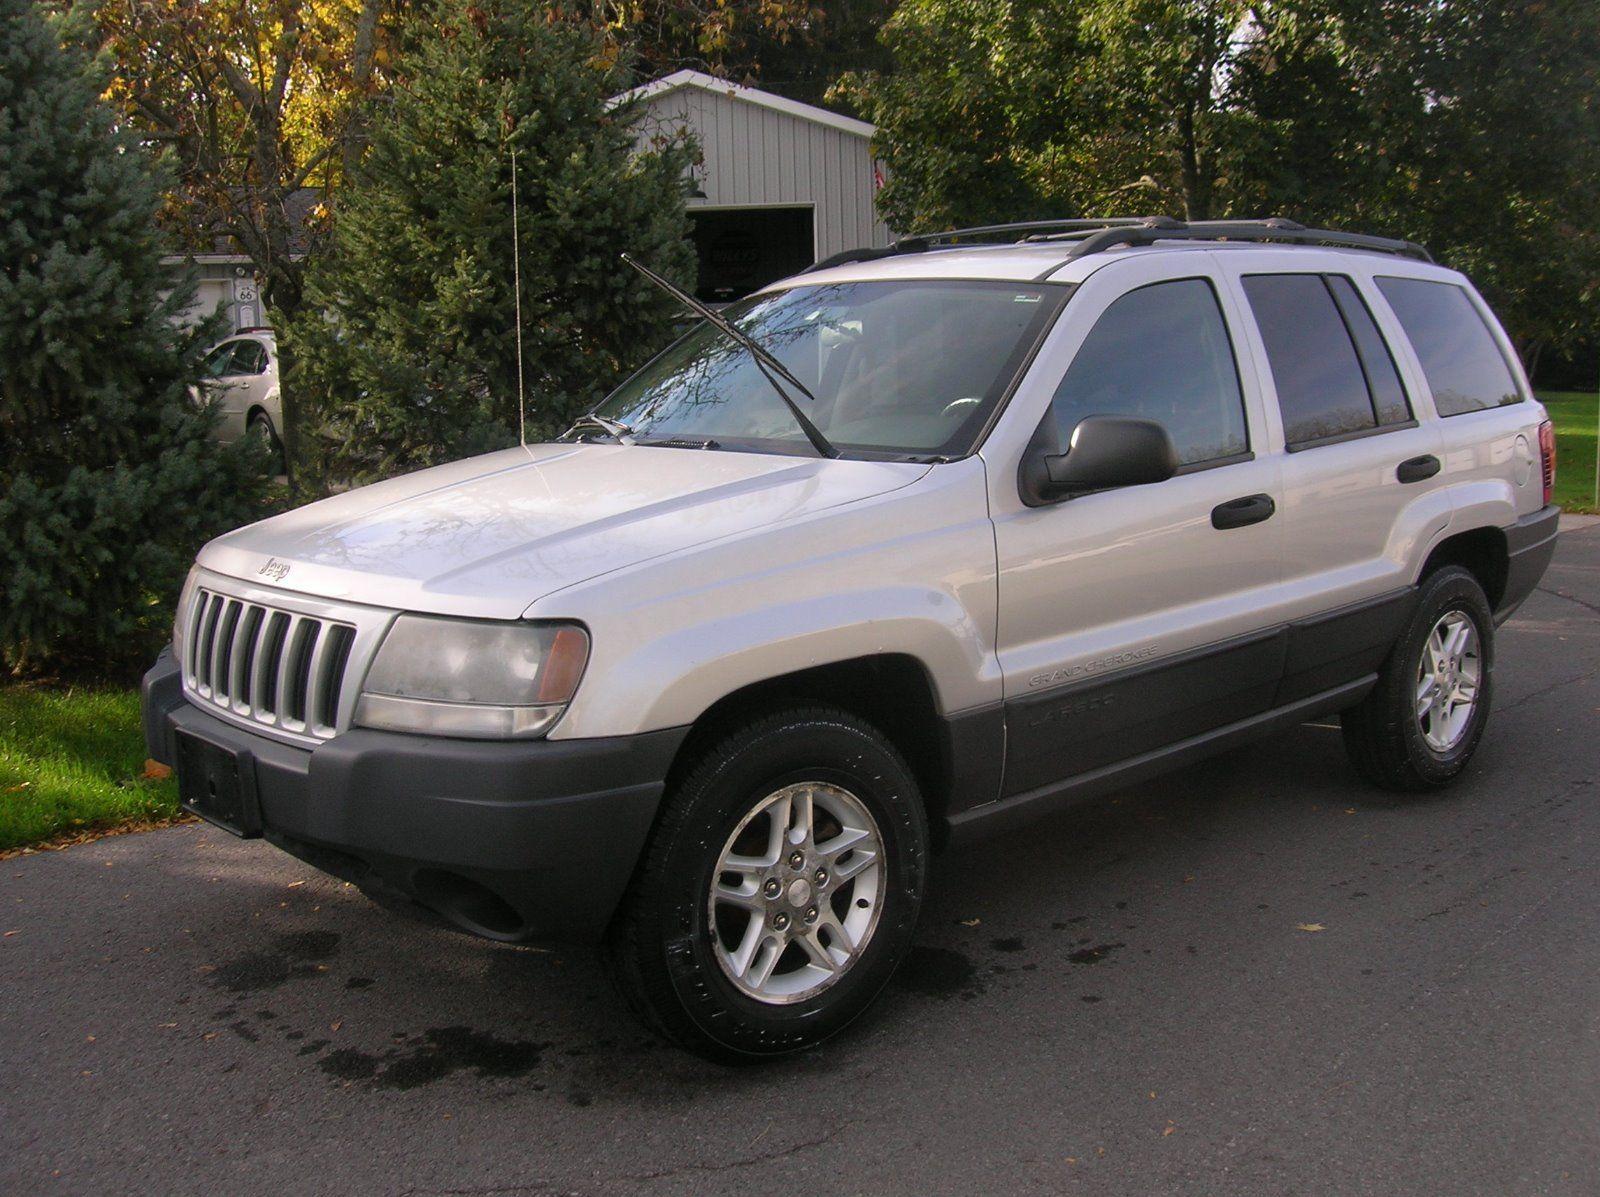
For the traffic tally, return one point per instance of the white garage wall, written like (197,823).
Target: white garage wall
(756,156)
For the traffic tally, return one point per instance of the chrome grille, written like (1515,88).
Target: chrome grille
(279,668)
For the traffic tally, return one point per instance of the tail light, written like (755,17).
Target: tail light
(1547,458)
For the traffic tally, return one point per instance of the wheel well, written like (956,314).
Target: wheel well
(893,692)
(1481,552)
(258,410)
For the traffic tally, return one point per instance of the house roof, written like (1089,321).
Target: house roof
(749,95)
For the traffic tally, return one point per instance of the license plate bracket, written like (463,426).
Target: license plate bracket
(218,784)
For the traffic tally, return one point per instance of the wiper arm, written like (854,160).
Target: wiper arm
(684,442)
(616,429)
(769,365)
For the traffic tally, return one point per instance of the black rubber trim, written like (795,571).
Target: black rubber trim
(1341,438)
(1200,467)
(1530,544)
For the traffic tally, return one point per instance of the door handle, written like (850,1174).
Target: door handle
(1417,468)
(1238,513)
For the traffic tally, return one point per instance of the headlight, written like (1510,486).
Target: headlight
(450,677)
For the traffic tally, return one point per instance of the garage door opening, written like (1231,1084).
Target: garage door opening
(743,249)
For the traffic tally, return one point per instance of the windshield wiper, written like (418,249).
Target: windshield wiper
(616,429)
(771,368)
(684,442)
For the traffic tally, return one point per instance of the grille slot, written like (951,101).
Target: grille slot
(270,666)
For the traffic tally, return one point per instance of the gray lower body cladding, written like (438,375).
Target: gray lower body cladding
(1530,544)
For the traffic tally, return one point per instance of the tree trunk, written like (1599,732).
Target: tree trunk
(1196,192)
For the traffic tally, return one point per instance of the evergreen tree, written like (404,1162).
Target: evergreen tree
(109,476)
(406,351)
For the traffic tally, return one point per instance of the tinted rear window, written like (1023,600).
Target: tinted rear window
(1464,366)
(1321,387)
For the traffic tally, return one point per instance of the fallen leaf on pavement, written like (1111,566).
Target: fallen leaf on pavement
(969,922)
(1309,927)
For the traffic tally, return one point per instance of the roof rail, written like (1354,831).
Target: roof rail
(1032,230)
(1272,230)
(1097,236)
(1025,230)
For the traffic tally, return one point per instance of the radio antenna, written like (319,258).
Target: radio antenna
(516,274)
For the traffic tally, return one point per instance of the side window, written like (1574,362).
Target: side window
(219,362)
(1383,380)
(1322,389)
(1161,352)
(1464,366)
(249,358)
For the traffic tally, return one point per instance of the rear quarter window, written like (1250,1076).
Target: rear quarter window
(1464,366)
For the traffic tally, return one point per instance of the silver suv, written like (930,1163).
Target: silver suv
(916,546)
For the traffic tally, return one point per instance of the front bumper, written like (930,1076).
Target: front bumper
(527,840)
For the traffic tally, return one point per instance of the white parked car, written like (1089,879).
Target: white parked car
(929,542)
(241,379)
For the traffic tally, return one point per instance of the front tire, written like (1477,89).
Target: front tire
(1422,722)
(260,427)
(779,891)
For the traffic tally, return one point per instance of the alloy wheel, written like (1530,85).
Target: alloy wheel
(796,893)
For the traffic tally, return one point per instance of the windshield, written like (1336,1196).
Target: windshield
(899,368)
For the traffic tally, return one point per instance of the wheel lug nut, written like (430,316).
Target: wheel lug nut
(811,914)
(780,920)
(822,876)
(796,860)
(772,889)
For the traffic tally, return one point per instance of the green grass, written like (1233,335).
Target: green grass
(1573,413)
(70,764)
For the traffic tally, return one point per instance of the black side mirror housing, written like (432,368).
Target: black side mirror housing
(1104,452)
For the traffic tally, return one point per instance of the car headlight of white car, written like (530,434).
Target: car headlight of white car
(451,677)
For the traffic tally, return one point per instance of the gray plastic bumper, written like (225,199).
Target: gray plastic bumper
(514,840)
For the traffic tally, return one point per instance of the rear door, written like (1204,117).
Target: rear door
(1361,474)
(247,387)
(1132,619)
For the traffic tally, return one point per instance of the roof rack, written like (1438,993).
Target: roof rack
(1097,236)
(1274,230)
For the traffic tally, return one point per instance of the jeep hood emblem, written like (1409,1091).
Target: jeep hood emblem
(274,569)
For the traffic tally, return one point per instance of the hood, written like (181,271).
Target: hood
(488,536)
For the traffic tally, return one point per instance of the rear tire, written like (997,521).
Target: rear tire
(1422,722)
(729,948)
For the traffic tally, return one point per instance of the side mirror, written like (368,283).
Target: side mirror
(1104,452)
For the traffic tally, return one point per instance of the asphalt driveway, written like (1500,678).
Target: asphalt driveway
(1256,977)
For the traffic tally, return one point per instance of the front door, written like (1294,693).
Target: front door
(1131,619)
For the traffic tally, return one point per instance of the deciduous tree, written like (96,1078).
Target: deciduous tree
(1473,125)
